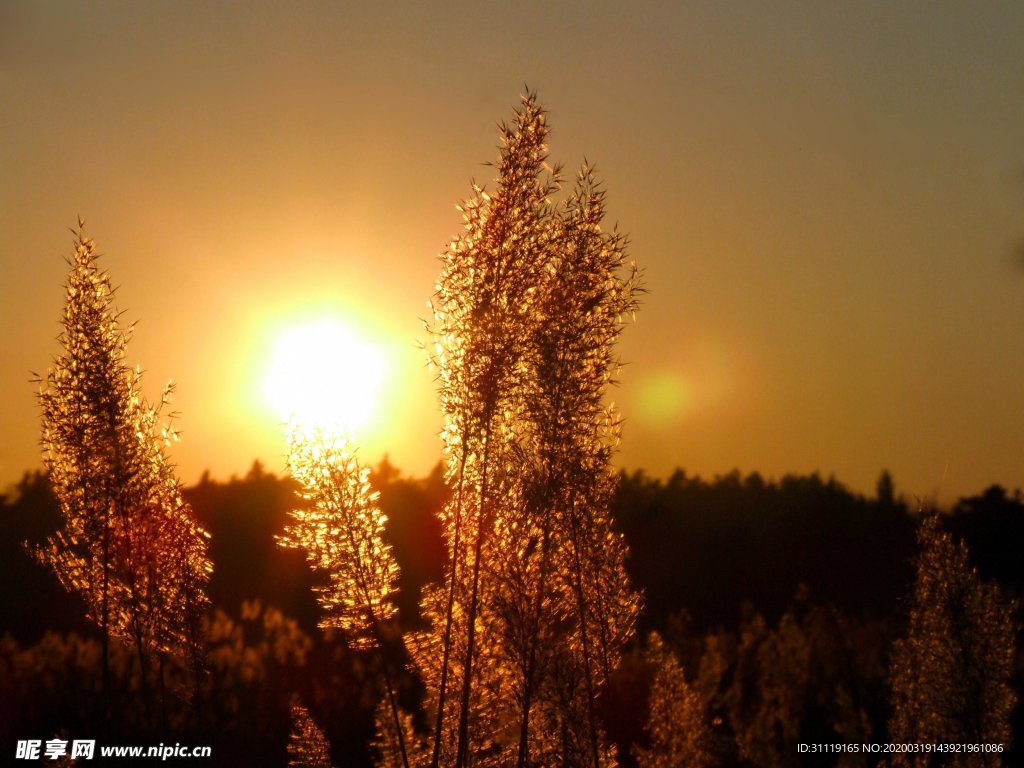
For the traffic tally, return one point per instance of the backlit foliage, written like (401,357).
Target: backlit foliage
(483,319)
(535,606)
(534,609)
(815,674)
(130,544)
(676,729)
(341,533)
(766,699)
(386,742)
(952,674)
(576,575)
(307,745)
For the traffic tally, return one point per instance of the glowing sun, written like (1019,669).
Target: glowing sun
(323,376)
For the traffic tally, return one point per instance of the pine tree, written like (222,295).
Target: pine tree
(952,673)
(130,544)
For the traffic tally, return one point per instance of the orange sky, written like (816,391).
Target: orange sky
(826,201)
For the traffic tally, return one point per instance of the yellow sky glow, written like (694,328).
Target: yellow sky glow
(826,207)
(321,374)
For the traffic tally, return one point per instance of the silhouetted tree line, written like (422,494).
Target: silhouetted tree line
(739,538)
(704,546)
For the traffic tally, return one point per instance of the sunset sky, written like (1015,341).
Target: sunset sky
(827,202)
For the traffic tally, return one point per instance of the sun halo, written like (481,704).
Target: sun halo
(322,376)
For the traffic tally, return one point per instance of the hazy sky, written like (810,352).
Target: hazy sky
(827,200)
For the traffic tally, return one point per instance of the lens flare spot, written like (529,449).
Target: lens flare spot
(663,399)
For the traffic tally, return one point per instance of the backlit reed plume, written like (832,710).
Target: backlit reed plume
(341,533)
(535,605)
(483,316)
(952,675)
(572,562)
(307,745)
(677,730)
(129,544)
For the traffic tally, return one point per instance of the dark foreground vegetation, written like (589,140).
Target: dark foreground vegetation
(780,600)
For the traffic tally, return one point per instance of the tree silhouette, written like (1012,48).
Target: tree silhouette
(129,545)
(952,674)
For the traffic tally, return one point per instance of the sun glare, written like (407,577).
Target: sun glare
(323,376)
